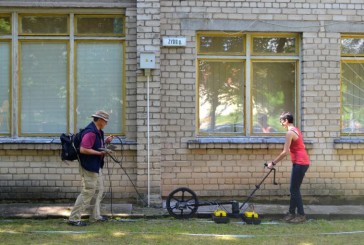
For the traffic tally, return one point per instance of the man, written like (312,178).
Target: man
(294,146)
(263,122)
(91,164)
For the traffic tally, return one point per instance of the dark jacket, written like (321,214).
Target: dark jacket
(93,163)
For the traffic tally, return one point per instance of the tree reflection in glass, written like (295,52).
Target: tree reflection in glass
(221,96)
(273,91)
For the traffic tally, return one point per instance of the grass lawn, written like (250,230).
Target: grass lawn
(173,231)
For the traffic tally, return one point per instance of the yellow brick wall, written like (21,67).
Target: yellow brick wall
(36,172)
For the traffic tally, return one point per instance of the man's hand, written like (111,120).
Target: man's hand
(104,151)
(90,151)
(109,139)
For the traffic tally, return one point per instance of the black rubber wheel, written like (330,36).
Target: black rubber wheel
(182,203)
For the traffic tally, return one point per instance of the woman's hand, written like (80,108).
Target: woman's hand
(270,165)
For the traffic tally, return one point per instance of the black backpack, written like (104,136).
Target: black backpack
(71,146)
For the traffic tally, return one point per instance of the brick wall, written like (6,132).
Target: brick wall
(231,169)
(211,168)
(148,153)
(35,172)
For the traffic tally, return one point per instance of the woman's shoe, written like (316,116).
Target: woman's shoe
(298,219)
(288,217)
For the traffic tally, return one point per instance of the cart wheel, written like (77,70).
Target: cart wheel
(182,203)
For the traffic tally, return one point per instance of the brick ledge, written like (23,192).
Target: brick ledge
(240,143)
(349,143)
(50,143)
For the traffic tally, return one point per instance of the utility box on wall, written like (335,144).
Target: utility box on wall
(147,60)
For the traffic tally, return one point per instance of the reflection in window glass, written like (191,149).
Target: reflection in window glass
(55,25)
(221,96)
(4,88)
(99,25)
(5,25)
(273,92)
(353,46)
(43,73)
(274,45)
(99,82)
(224,44)
(352,89)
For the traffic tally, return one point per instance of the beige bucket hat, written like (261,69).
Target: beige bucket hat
(101,114)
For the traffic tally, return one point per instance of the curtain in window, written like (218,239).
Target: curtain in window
(43,83)
(99,82)
(4,88)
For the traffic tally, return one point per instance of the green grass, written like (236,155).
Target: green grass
(172,231)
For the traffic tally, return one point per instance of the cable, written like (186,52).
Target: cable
(110,187)
(119,162)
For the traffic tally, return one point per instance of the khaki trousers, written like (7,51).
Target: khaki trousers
(91,195)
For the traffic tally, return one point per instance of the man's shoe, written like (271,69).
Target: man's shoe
(298,219)
(101,219)
(288,217)
(77,223)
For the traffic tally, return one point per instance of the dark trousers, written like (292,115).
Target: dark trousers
(298,172)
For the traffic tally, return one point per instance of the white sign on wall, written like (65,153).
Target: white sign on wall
(174,41)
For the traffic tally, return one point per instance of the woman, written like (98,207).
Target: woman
(301,162)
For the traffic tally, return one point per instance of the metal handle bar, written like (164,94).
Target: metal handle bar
(260,183)
(274,174)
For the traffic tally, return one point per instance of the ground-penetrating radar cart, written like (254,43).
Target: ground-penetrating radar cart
(182,203)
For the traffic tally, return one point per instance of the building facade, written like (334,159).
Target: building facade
(194,89)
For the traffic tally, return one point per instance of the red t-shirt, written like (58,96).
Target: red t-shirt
(298,150)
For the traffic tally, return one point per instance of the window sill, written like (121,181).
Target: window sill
(48,143)
(240,143)
(30,140)
(349,143)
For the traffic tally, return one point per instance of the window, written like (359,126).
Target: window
(105,25)
(43,87)
(245,81)
(99,75)
(5,90)
(43,25)
(273,91)
(217,43)
(5,74)
(267,45)
(221,96)
(5,24)
(65,73)
(352,85)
